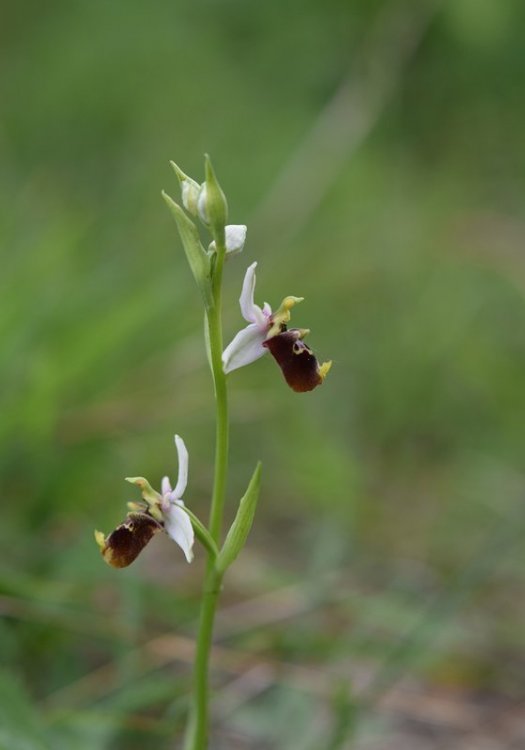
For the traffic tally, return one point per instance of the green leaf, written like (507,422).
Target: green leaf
(195,253)
(240,528)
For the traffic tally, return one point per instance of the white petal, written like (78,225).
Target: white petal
(182,479)
(235,235)
(250,311)
(178,526)
(245,348)
(165,486)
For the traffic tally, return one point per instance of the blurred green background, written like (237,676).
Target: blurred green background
(375,150)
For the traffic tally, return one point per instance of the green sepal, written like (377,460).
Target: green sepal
(216,205)
(148,493)
(240,528)
(195,253)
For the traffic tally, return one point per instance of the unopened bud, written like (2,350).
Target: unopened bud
(189,190)
(212,205)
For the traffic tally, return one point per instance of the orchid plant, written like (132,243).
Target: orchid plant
(164,511)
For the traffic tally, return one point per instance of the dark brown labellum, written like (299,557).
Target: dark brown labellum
(128,540)
(297,361)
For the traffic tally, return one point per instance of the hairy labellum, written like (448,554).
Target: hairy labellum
(127,541)
(299,364)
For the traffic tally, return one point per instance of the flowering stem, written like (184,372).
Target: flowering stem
(197,729)
(221,400)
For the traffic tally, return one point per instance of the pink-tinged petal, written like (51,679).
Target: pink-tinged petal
(182,479)
(246,347)
(178,527)
(246,299)
(250,311)
(165,486)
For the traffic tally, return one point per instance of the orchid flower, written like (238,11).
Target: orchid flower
(267,331)
(162,511)
(247,345)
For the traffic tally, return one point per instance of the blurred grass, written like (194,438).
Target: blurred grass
(395,475)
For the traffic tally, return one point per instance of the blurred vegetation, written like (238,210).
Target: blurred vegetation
(376,152)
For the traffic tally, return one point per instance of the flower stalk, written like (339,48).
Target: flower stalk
(197,729)
(165,511)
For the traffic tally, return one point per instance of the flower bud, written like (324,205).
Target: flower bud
(189,190)
(212,205)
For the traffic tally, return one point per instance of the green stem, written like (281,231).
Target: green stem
(197,730)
